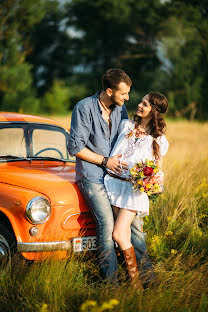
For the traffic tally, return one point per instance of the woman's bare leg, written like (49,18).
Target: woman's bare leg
(122,235)
(115,211)
(122,228)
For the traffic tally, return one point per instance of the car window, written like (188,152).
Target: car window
(12,142)
(49,143)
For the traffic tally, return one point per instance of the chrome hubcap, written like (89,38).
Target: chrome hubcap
(3,251)
(4,255)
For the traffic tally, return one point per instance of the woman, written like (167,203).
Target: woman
(139,139)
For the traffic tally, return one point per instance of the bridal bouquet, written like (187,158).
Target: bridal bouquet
(148,178)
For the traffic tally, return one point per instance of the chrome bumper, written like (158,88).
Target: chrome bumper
(44,246)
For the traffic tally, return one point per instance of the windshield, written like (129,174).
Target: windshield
(33,140)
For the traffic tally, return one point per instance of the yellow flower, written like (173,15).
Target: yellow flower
(142,174)
(156,243)
(168,233)
(155,170)
(148,185)
(151,163)
(114,302)
(156,187)
(173,251)
(139,182)
(44,308)
(141,189)
(89,303)
(148,193)
(133,172)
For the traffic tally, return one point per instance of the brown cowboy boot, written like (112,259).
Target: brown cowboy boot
(131,263)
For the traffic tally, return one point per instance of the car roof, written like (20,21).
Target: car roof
(9,116)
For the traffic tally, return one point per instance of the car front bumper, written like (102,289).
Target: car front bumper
(44,246)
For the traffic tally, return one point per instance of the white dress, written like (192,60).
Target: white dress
(133,150)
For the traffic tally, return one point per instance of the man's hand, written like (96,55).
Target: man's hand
(116,165)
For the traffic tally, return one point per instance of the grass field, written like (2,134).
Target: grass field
(177,240)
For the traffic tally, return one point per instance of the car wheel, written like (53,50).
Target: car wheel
(7,248)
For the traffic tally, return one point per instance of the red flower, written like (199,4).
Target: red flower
(148,171)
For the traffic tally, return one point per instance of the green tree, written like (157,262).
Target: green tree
(115,34)
(17,18)
(51,50)
(184,42)
(59,98)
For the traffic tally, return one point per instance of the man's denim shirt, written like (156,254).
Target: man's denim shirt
(89,129)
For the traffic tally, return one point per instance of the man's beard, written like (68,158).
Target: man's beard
(113,99)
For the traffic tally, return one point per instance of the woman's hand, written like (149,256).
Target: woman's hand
(116,165)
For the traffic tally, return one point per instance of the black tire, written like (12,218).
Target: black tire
(8,248)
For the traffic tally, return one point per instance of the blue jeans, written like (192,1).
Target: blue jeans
(97,199)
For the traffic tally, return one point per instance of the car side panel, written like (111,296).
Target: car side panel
(65,222)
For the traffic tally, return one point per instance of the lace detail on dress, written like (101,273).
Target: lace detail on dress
(132,145)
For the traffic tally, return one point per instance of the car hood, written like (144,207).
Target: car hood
(55,181)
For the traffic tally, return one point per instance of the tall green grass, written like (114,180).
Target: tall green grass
(177,240)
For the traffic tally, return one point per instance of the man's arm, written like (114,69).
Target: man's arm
(113,162)
(87,155)
(80,129)
(79,134)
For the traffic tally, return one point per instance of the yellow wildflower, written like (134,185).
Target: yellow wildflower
(141,189)
(44,308)
(168,233)
(202,185)
(155,170)
(89,303)
(173,251)
(108,305)
(148,185)
(114,302)
(156,243)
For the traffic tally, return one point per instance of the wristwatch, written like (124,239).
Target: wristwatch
(104,161)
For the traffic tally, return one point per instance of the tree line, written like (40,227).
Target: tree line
(53,53)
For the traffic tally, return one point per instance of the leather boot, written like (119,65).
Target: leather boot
(131,263)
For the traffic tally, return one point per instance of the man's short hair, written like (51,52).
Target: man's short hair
(113,77)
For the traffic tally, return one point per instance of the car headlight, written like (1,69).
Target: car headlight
(38,210)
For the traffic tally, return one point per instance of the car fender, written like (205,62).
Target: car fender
(13,202)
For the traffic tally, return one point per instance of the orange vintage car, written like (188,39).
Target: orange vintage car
(42,212)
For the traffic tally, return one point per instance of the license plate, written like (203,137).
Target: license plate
(84,243)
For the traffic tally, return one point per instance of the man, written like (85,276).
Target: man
(94,127)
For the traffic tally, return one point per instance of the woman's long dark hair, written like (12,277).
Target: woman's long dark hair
(157,123)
